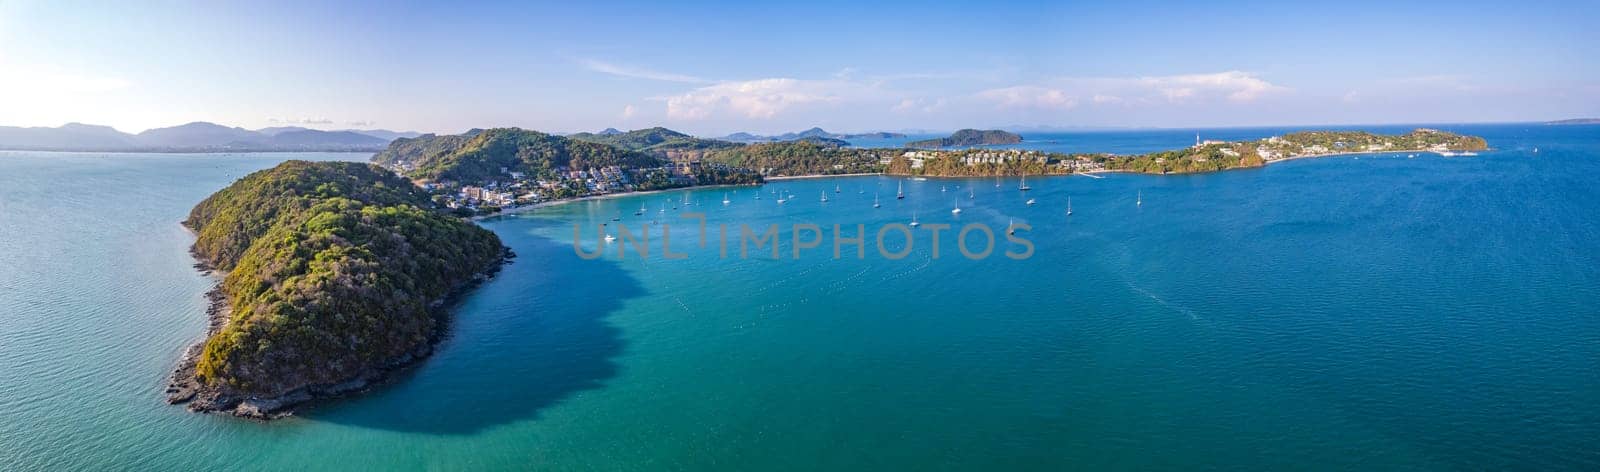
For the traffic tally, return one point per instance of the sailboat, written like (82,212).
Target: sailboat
(900,191)
(1011,227)
(971,194)
(914,222)
(875,203)
(609,237)
(1138,200)
(1069,206)
(1023,186)
(943,188)
(957,210)
(835,188)
(725,199)
(824,197)
(1031,201)
(641,210)
(997,181)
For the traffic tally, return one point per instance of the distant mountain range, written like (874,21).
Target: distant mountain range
(194,137)
(1575,121)
(810,133)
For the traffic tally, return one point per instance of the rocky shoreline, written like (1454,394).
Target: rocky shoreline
(183,387)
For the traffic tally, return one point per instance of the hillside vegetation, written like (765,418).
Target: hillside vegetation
(481,156)
(656,139)
(969,137)
(333,269)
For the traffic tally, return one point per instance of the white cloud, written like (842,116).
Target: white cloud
(760,99)
(1068,92)
(360,123)
(919,104)
(1029,96)
(1235,85)
(628,112)
(639,73)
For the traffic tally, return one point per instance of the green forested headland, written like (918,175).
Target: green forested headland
(332,269)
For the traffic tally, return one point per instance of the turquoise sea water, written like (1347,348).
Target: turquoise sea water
(1377,312)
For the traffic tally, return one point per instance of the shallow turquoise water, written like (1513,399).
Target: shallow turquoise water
(1334,313)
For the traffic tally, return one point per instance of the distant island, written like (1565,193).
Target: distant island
(1575,121)
(199,136)
(335,273)
(813,134)
(969,137)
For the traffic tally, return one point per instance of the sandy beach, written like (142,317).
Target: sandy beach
(528,208)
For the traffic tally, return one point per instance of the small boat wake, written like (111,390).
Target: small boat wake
(1163,302)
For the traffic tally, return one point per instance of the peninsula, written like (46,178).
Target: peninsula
(333,275)
(483,171)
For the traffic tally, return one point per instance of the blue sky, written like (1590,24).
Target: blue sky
(715,67)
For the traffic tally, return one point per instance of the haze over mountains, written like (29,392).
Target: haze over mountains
(810,133)
(197,136)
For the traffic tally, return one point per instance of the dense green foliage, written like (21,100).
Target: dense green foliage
(825,141)
(228,221)
(1359,140)
(652,140)
(482,156)
(969,137)
(798,158)
(1209,158)
(341,273)
(420,149)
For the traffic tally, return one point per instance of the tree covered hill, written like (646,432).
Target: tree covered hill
(482,155)
(334,271)
(656,139)
(969,137)
(803,157)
